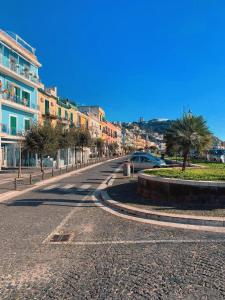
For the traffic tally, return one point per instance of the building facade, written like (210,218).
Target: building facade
(19,82)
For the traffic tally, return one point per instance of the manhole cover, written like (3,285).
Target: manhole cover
(60,238)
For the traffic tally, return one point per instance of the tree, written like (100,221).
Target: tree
(41,139)
(113,148)
(187,134)
(100,146)
(63,140)
(74,140)
(84,140)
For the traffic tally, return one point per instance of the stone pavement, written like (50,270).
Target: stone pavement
(106,257)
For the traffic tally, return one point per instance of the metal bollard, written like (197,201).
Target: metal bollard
(43,175)
(52,172)
(60,171)
(66,169)
(30,178)
(15,184)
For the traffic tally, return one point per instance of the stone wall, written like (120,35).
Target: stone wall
(161,189)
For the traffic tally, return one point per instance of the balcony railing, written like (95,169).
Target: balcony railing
(5,129)
(18,69)
(49,114)
(21,101)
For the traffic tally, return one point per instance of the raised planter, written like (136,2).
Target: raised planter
(158,189)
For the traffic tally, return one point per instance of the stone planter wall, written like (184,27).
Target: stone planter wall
(180,191)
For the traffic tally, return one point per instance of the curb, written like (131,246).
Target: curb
(199,223)
(13,194)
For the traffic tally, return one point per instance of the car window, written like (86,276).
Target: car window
(135,158)
(144,159)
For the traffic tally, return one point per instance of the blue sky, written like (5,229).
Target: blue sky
(132,57)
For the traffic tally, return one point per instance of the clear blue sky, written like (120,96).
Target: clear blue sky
(132,57)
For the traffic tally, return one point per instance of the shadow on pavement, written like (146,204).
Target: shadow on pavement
(60,202)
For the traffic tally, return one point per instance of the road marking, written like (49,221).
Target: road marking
(128,242)
(67,186)
(83,187)
(66,219)
(51,187)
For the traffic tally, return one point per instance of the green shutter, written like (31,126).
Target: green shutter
(13,129)
(27,125)
(46,107)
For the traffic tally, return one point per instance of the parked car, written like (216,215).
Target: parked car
(141,161)
(217,155)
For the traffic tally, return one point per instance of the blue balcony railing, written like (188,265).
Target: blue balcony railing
(21,101)
(20,70)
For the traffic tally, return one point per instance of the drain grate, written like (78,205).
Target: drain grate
(60,238)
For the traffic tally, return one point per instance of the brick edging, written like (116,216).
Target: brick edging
(163,217)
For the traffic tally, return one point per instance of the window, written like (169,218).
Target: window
(13,125)
(135,159)
(144,159)
(17,92)
(66,115)
(71,117)
(26,98)
(46,107)
(59,112)
(27,124)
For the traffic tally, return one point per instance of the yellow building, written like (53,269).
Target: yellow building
(53,109)
(97,113)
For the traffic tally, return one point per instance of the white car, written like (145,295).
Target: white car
(146,161)
(216,155)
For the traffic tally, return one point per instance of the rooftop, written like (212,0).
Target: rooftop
(19,41)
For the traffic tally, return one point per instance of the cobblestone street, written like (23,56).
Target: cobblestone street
(106,256)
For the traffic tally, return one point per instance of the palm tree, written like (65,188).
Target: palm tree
(187,134)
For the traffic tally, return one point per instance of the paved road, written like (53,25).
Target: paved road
(106,257)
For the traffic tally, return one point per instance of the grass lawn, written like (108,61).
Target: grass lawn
(210,172)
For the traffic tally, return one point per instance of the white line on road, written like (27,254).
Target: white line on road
(118,242)
(50,187)
(83,187)
(67,186)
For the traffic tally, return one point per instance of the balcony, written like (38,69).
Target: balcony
(11,133)
(11,68)
(19,103)
(50,115)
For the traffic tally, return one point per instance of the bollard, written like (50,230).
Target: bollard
(60,171)
(66,169)
(30,178)
(52,172)
(126,169)
(15,184)
(43,176)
